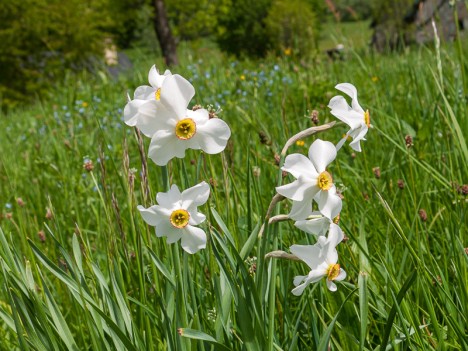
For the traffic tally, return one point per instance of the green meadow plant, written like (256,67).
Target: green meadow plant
(160,112)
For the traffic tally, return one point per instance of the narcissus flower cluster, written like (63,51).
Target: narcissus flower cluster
(160,111)
(314,184)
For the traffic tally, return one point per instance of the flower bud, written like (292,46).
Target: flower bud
(88,165)
(42,236)
(376,171)
(264,138)
(423,214)
(49,215)
(409,141)
(314,117)
(20,202)
(464,189)
(277,159)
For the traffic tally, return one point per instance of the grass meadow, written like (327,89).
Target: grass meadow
(81,270)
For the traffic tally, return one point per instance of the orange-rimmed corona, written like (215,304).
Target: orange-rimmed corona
(185,129)
(179,218)
(333,271)
(325,181)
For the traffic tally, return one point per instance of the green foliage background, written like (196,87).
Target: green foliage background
(294,25)
(41,39)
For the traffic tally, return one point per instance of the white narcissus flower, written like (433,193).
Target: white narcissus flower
(140,111)
(313,182)
(354,116)
(175,129)
(176,216)
(322,260)
(156,80)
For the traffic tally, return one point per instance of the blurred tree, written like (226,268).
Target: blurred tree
(292,26)
(242,30)
(163,31)
(129,18)
(40,39)
(195,19)
(253,28)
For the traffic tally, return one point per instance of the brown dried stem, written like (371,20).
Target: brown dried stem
(305,133)
(283,255)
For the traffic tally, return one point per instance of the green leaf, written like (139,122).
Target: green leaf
(199,335)
(323,345)
(162,268)
(391,316)
(62,328)
(363,307)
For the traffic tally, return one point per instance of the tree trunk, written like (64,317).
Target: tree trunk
(164,34)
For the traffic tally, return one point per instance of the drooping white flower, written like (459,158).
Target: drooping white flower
(315,224)
(176,216)
(313,182)
(140,111)
(354,116)
(322,260)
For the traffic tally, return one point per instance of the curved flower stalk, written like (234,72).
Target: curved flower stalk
(313,182)
(354,116)
(165,89)
(322,260)
(176,216)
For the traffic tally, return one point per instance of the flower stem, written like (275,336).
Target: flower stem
(272,264)
(305,133)
(181,312)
